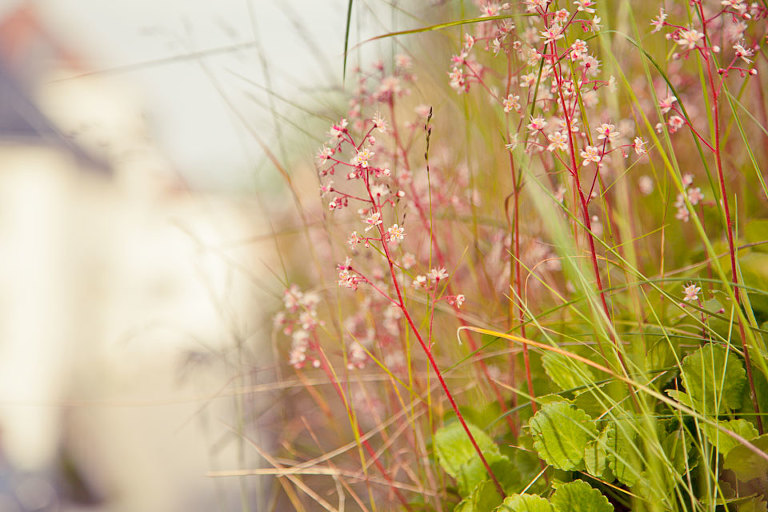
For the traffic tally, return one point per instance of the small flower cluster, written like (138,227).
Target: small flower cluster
(431,279)
(299,321)
(732,21)
(694,197)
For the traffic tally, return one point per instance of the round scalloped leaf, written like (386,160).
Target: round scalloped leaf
(678,446)
(525,503)
(746,464)
(473,472)
(755,504)
(454,449)
(722,441)
(483,498)
(623,456)
(714,377)
(579,496)
(560,435)
(566,373)
(595,458)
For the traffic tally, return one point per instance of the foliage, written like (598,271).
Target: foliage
(549,289)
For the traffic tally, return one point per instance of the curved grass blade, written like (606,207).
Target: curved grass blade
(346,41)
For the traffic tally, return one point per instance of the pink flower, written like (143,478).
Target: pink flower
(396,232)
(590,154)
(562,16)
(578,49)
(373,220)
(695,195)
(436,274)
(324,153)
(362,157)
(420,281)
(512,102)
(689,38)
(743,53)
(337,130)
(639,146)
(665,104)
(691,292)
(675,123)
(557,140)
(552,34)
(658,21)
(607,131)
(379,123)
(533,5)
(536,124)
(585,5)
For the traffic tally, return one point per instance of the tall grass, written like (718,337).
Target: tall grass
(536,274)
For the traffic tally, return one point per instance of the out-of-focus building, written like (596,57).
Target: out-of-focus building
(110,270)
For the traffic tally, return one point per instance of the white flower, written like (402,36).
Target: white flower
(691,292)
(437,274)
(337,130)
(689,38)
(590,154)
(639,146)
(362,157)
(536,124)
(557,140)
(585,5)
(373,220)
(695,195)
(396,232)
(512,102)
(743,53)
(607,131)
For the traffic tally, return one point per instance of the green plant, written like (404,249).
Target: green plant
(539,206)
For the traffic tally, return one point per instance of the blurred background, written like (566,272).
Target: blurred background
(136,270)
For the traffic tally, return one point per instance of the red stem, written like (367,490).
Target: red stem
(449,288)
(729,224)
(434,365)
(327,368)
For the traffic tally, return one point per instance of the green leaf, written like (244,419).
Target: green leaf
(598,399)
(454,449)
(561,433)
(579,496)
(722,441)
(757,231)
(714,377)
(565,372)
(745,463)
(596,459)
(459,459)
(754,269)
(752,505)
(483,498)
(473,472)
(682,397)
(621,451)
(678,446)
(525,503)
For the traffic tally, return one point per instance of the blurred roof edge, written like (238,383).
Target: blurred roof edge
(27,51)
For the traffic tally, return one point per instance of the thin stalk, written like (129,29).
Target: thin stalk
(435,367)
(706,56)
